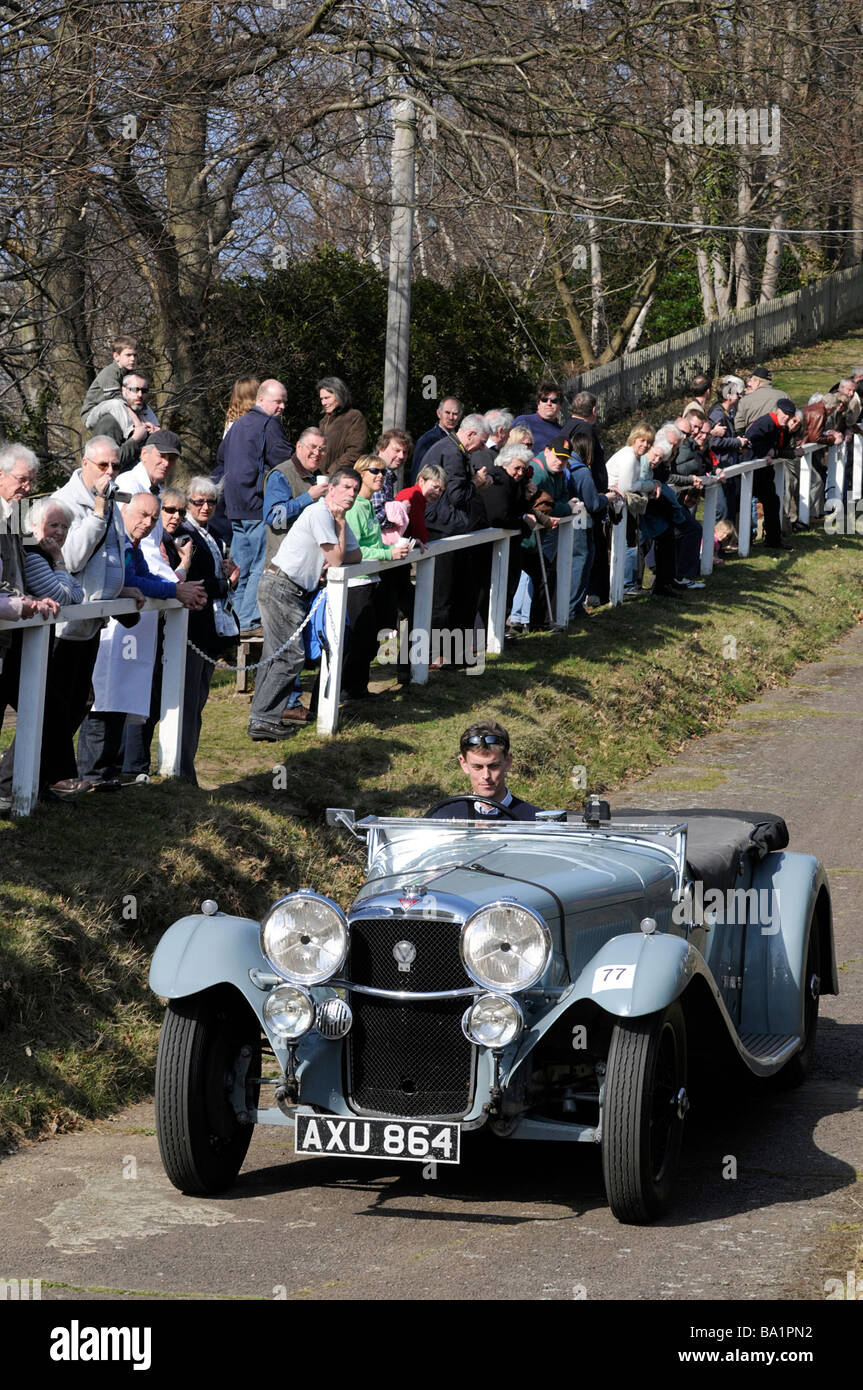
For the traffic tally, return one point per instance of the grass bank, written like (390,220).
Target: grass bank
(86,892)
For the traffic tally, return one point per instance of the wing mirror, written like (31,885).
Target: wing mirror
(342,815)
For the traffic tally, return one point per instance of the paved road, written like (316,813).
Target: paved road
(93,1217)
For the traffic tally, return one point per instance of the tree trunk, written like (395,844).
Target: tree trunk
(705,280)
(742,275)
(638,327)
(773,253)
(63,285)
(646,288)
(573,318)
(721,283)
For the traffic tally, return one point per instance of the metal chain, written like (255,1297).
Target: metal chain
(226,665)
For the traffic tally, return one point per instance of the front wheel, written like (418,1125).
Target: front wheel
(208,1066)
(643,1112)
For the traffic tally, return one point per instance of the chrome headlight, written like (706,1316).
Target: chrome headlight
(493,1020)
(505,947)
(305,938)
(288,1011)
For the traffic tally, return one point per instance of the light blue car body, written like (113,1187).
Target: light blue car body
(635,938)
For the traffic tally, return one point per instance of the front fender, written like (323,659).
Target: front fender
(198,952)
(630,976)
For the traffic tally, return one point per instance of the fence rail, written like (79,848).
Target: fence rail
(664,370)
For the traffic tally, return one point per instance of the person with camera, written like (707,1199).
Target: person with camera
(484,757)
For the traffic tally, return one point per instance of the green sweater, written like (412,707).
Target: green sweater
(555,484)
(367,529)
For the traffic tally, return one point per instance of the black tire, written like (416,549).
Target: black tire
(794,1073)
(201,1141)
(643,1112)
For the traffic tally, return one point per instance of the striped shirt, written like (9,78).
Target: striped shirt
(45,582)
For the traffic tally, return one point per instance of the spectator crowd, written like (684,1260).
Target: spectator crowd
(247,549)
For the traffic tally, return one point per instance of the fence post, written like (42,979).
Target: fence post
(423,595)
(708,526)
(333,661)
(744,521)
(803,501)
(779,476)
(35,646)
(497,596)
(564,570)
(173,690)
(841,456)
(618,559)
(830,483)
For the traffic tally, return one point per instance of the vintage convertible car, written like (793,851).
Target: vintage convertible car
(554,980)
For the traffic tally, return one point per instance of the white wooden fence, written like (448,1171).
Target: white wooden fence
(337,604)
(838,458)
(36,644)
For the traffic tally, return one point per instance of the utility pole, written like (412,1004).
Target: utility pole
(401,249)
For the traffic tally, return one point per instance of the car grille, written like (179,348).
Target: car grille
(408,1058)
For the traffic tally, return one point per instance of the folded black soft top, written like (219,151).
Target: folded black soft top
(717,842)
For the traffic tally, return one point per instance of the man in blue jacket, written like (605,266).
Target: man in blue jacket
(448,415)
(253,445)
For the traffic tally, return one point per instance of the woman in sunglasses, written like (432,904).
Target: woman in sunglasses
(364,604)
(544,424)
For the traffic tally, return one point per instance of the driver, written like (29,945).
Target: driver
(485,758)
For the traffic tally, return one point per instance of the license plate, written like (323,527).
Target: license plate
(409,1141)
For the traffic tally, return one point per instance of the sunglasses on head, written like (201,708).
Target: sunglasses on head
(484,741)
(174,511)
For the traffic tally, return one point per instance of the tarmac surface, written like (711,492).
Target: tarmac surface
(93,1216)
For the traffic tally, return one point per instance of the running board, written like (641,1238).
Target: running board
(769,1050)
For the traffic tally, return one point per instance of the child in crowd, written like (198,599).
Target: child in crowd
(107,384)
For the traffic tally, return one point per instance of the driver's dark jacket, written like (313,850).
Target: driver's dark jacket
(462,810)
